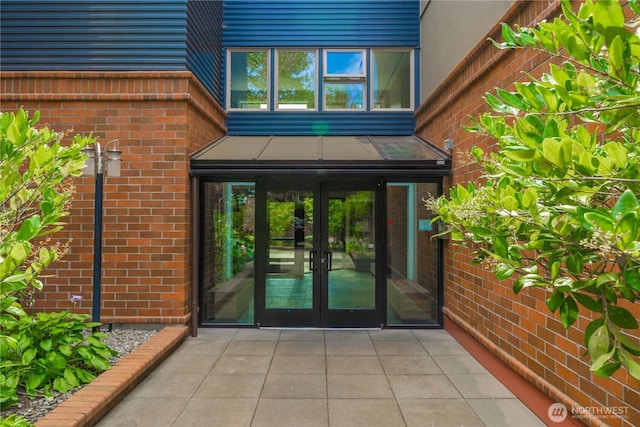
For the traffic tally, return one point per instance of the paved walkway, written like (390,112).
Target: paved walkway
(306,378)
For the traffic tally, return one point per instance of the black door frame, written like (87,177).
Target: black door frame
(320,315)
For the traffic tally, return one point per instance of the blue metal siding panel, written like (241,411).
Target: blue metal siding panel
(343,123)
(104,35)
(327,23)
(204,44)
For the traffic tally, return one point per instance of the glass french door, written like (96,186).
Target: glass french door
(318,256)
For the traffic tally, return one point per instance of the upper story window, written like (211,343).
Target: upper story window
(248,73)
(349,79)
(391,85)
(344,79)
(297,80)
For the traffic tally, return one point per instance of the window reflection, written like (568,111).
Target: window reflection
(391,79)
(249,80)
(345,63)
(229,241)
(297,78)
(412,256)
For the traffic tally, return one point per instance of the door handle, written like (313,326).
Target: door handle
(330,259)
(312,260)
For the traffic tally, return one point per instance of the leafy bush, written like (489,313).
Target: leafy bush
(14,420)
(45,352)
(53,352)
(557,205)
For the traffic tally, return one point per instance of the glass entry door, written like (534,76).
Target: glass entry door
(320,251)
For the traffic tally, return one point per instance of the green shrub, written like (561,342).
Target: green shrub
(557,206)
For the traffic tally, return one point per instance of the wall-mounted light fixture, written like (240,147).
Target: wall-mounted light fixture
(448,143)
(95,166)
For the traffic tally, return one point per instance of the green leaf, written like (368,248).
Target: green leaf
(622,317)
(633,367)
(30,228)
(627,228)
(568,311)
(501,247)
(519,153)
(598,362)
(35,380)
(632,277)
(599,342)
(588,302)
(591,328)
(511,99)
(608,369)
(575,263)
(552,151)
(554,301)
(99,362)
(628,345)
(596,220)
(616,57)
(29,355)
(71,377)
(607,13)
(503,271)
(46,345)
(60,384)
(625,204)
(508,35)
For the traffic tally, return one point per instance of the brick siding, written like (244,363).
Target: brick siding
(520,326)
(160,119)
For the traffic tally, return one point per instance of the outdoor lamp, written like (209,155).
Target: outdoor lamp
(94,166)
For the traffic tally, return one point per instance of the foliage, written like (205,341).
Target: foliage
(52,353)
(557,205)
(34,194)
(14,420)
(47,351)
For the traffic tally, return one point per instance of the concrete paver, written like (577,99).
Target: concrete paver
(278,378)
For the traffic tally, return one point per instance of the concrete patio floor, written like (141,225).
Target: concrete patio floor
(305,378)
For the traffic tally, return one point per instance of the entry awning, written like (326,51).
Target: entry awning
(405,155)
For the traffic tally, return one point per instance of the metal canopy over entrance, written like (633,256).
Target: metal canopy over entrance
(317,231)
(379,155)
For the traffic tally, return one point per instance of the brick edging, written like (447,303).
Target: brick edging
(94,400)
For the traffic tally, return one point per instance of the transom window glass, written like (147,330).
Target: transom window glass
(249,78)
(344,80)
(391,82)
(297,80)
(348,64)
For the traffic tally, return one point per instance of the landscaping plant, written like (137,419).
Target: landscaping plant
(46,351)
(557,204)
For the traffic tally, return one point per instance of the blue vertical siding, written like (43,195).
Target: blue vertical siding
(326,23)
(106,35)
(204,44)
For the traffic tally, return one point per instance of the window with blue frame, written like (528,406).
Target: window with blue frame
(349,80)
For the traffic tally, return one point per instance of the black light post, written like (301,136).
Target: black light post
(95,166)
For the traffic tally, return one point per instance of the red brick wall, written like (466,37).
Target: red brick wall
(519,327)
(160,119)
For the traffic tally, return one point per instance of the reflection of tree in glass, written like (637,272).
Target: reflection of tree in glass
(297,78)
(257,75)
